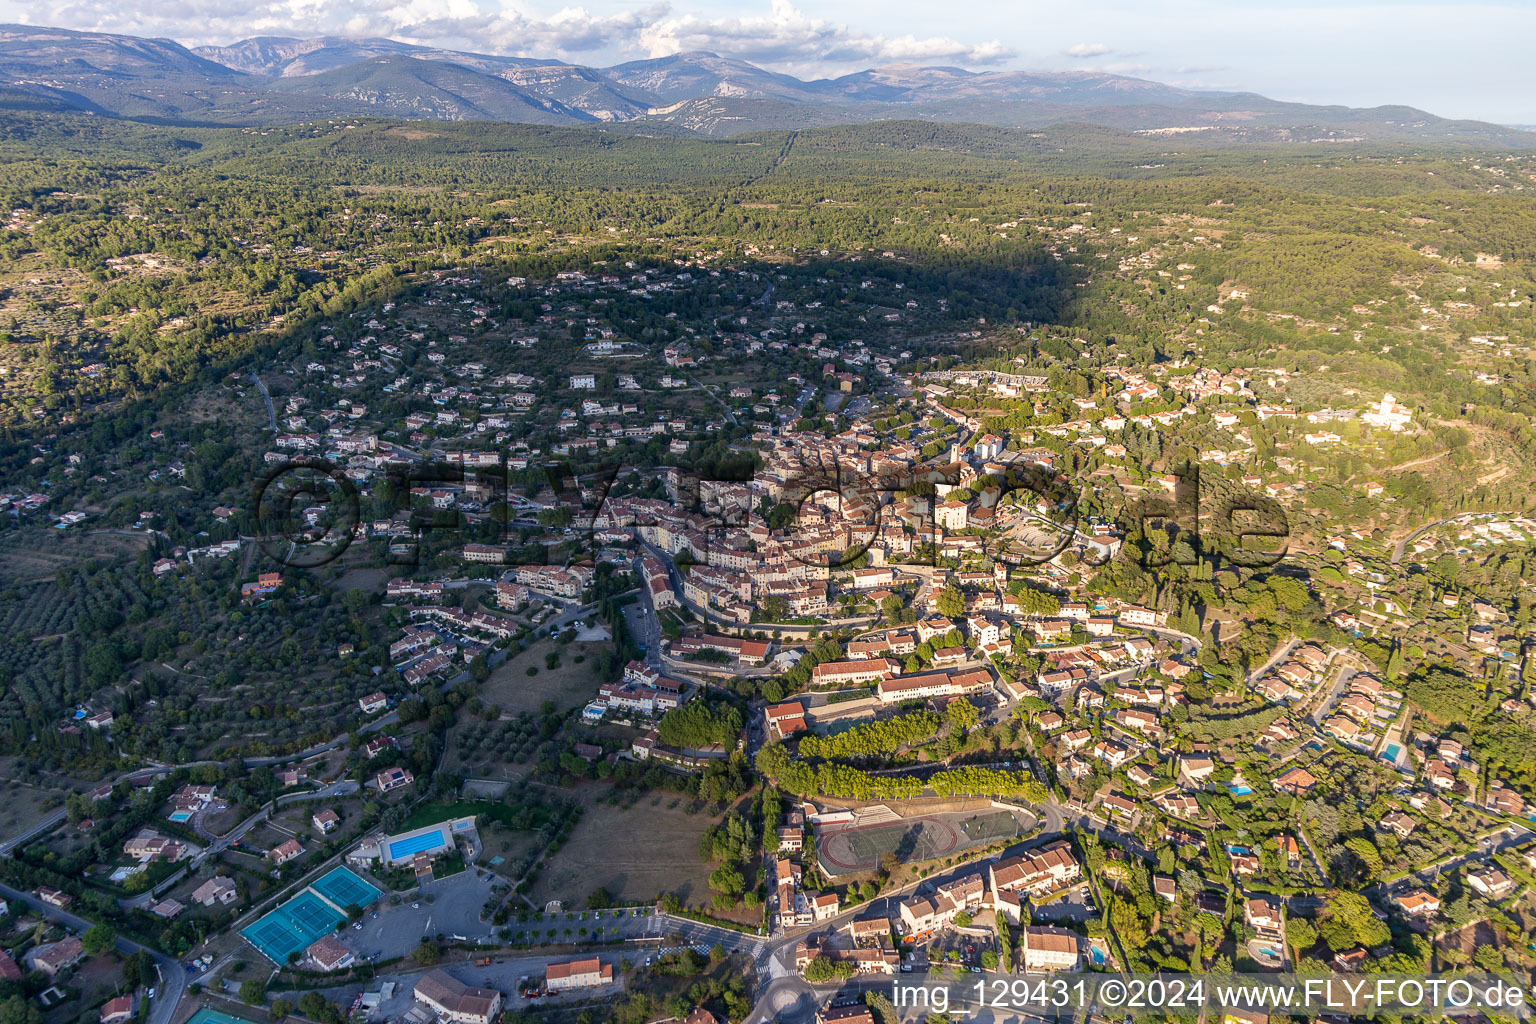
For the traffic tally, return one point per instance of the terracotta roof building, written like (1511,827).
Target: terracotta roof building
(457,1001)
(578,974)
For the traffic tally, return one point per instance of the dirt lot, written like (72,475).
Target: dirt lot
(362,577)
(96,979)
(634,853)
(24,805)
(268,835)
(1469,938)
(570,685)
(38,554)
(511,847)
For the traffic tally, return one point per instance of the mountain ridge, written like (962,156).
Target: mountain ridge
(284,79)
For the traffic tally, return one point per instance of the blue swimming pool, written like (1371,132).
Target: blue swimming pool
(181,816)
(416,844)
(1392,752)
(208,1015)
(1097,956)
(1240,791)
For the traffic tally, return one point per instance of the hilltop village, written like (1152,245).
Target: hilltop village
(682,638)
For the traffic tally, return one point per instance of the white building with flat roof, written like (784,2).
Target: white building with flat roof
(403,847)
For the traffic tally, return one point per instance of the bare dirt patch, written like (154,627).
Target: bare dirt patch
(1467,939)
(635,853)
(412,134)
(37,554)
(363,578)
(24,805)
(570,684)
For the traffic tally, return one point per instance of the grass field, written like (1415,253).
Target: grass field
(296,816)
(267,834)
(569,685)
(512,689)
(432,813)
(635,853)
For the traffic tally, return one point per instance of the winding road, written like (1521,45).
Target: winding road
(1401,546)
(172,982)
(266,396)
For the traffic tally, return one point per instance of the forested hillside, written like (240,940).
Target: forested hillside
(147,252)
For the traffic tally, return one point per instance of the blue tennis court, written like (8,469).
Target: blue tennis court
(345,889)
(416,844)
(292,926)
(208,1015)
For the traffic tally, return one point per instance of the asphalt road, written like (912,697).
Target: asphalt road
(59,815)
(1505,838)
(218,845)
(266,396)
(1341,680)
(172,982)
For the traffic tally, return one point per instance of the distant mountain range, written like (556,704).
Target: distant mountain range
(274,80)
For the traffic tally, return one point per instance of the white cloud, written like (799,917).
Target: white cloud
(781,35)
(786,36)
(458,24)
(566,33)
(1359,52)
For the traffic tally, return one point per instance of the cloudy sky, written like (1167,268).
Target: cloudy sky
(1458,59)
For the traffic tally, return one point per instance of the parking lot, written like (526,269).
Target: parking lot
(1076,905)
(454,913)
(502,974)
(631,923)
(961,948)
(390,931)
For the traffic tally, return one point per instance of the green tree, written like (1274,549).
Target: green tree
(726,879)
(824,969)
(962,715)
(137,969)
(316,1007)
(1349,922)
(18,1009)
(98,939)
(253,992)
(1300,935)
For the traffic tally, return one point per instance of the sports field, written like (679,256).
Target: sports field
(208,1015)
(912,839)
(344,889)
(315,911)
(292,927)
